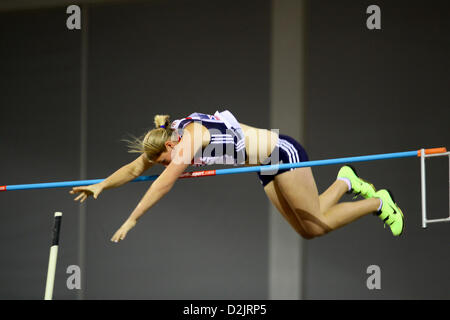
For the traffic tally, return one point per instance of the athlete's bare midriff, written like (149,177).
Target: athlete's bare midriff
(259,143)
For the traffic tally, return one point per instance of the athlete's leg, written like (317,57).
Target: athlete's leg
(274,195)
(332,195)
(299,190)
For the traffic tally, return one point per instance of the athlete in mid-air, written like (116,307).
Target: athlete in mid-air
(201,138)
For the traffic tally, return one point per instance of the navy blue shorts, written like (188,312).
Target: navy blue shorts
(289,151)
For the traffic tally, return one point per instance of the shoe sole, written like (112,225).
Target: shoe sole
(391,195)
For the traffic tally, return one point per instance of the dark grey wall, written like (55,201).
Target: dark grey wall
(39,141)
(368,92)
(376,92)
(208,237)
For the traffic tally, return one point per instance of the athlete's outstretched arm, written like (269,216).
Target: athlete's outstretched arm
(123,175)
(182,156)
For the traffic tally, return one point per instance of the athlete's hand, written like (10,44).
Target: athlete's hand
(86,191)
(123,230)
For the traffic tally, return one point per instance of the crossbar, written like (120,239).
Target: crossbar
(266,169)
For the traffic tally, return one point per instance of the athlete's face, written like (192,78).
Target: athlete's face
(166,157)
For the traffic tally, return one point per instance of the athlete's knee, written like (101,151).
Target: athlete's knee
(315,231)
(307,236)
(320,232)
(312,235)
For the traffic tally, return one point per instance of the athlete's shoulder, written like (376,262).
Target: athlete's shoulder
(182,122)
(195,116)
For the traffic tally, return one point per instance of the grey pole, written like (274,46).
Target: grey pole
(286,248)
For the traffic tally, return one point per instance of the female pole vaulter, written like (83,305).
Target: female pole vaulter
(199,139)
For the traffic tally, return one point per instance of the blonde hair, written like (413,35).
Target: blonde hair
(152,143)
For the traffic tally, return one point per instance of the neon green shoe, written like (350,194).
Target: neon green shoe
(359,186)
(390,212)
